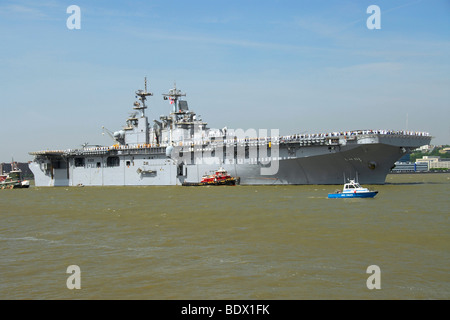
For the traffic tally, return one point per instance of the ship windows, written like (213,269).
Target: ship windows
(79,162)
(112,162)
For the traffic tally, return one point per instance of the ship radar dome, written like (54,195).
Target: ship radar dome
(169,150)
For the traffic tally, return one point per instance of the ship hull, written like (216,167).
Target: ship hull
(370,161)
(227,182)
(14,185)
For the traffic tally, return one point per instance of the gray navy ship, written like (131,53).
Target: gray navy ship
(180,148)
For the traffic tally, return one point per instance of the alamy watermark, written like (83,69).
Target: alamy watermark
(74,280)
(74,20)
(374,281)
(231,147)
(374,21)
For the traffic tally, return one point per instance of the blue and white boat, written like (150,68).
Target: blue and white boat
(353,189)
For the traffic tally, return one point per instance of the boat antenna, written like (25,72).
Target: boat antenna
(14,165)
(142,94)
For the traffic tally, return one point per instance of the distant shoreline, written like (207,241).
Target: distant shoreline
(420,172)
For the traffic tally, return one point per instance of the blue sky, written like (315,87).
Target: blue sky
(296,66)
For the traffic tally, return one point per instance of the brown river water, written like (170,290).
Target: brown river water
(240,242)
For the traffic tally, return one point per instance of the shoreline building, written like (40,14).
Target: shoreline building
(403,167)
(435,162)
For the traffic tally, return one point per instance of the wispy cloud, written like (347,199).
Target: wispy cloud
(316,25)
(30,9)
(219,20)
(326,27)
(402,6)
(369,68)
(211,39)
(17,9)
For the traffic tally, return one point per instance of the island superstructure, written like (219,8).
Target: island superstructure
(180,148)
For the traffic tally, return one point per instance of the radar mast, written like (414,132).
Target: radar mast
(142,94)
(173,96)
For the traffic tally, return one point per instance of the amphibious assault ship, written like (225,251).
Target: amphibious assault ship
(180,148)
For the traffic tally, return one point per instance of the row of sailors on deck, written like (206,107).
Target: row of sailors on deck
(352,133)
(315,136)
(264,139)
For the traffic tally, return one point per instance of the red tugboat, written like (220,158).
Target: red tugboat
(219,178)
